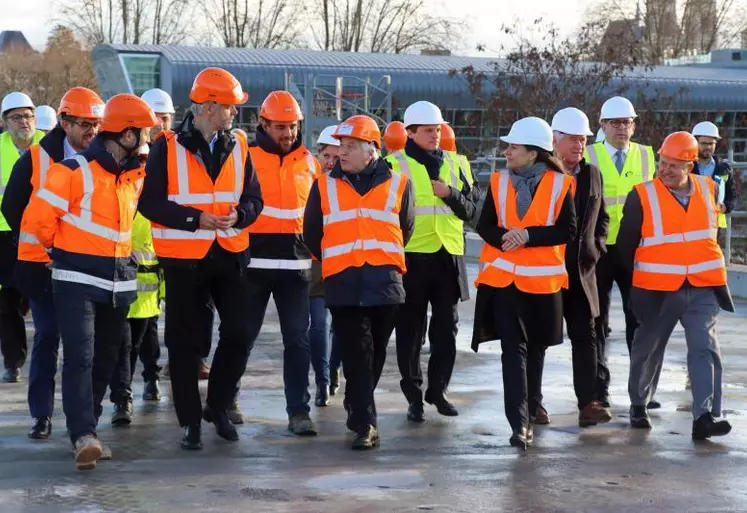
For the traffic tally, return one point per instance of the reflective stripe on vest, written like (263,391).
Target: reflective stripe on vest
(336,215)
(95,281)
(83,221)
(279,264)
(184,197)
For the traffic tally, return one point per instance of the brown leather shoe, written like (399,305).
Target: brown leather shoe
(594,413)
(540,417)
(204,371)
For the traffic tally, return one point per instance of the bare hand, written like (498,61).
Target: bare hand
(440,189)
(226,222)
(208,221)
(514,239)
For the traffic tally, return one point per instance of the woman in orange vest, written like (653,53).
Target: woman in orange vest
(357,221)
(528,218)
(83,216)
(668,238)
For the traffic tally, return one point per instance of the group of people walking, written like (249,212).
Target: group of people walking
(112,212)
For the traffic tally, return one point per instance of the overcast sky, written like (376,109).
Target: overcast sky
(484,17)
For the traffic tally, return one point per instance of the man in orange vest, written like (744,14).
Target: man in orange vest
(281,262)
(83,215)
(668,237)
(201,194)
(358,220)
(80,115)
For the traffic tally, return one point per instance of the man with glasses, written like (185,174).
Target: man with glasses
(18,115)
(624,164)
(80,113)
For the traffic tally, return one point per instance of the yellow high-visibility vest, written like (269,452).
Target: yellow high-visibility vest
(8,157)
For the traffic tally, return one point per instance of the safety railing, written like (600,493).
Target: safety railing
(737,214)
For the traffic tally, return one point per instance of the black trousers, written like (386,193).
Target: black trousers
(13,308)
(188,296)
(610,270)
(582,332)
(363,334)
(430,279)
(140,338)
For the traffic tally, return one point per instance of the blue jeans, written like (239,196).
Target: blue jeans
(91,338)
(319,339)
(291,295)
(43,366)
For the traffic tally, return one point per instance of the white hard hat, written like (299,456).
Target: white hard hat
(326,136)
(530,131)
(571,121)
(617,107)
(46,117)
(423,113)
(159,100)
(600,136)
(16,100)
(706,129)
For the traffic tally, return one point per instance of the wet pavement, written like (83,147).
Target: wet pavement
(461,464)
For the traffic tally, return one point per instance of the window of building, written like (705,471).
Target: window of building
(143,71)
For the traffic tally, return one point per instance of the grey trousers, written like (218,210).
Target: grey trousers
(658,313)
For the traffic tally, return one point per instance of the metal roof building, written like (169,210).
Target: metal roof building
(394,81)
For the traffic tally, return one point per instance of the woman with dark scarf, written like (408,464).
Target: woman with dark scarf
(528,218)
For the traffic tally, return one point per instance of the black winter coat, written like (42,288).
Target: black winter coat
(367,285)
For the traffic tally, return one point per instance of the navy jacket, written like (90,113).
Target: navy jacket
(724,169)
(367,285)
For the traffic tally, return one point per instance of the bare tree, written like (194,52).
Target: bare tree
(665,29)
(129,21)
(543,72)
(394,26)
(256,24)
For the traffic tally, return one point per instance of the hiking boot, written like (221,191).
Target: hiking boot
(301,424)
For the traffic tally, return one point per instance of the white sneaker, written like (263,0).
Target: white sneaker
(87,451)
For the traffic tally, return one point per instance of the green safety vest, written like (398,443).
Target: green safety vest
(464,165)
(149,280)
(721,215)
(436,226)
(8,157)
(639,167)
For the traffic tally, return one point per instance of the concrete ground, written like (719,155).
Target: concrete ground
(461,464)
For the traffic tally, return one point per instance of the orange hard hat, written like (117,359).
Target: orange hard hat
(81,102)
(395,136)
(359,127)
(219,86)
(282,107)
(127,111)
(448,138)
(680,146)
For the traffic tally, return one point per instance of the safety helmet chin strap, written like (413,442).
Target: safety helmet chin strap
(130,152)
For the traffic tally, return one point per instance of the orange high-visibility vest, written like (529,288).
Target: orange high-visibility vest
(678,244)
(88,212)
(361,230)
(189,184)
(29,247)
(535,270)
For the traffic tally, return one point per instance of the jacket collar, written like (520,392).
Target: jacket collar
(53,143)
(191,138)
(98,152)
(379,168)
(429,159)
(265,142)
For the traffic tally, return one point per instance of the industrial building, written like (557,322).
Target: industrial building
(336,84)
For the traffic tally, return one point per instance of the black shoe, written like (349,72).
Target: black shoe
(42,429)
(366,438)
(151,392)
(706,427)
(192,439)
(442,404)
(222,423)
(519,439)
(322,396)
(235,415)
(122,415)
(12,375)
(639,417)
(415,412)
(334,382)
(653,405)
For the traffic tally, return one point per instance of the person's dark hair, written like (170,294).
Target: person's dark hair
(547,158)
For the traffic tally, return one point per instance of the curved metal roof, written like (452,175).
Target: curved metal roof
(416,77)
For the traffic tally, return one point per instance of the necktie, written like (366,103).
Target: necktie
(619,160)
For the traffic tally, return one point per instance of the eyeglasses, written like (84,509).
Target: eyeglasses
(86,125)
(618,123)
(21,117)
